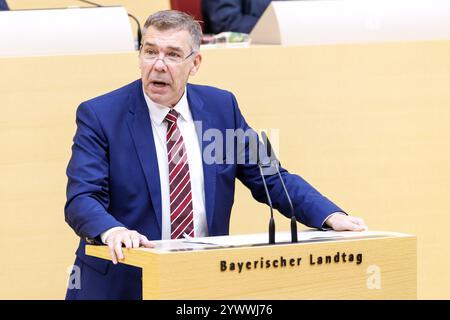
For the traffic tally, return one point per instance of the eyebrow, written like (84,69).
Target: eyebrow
(149,44)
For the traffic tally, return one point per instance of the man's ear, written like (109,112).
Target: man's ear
(196,64)
(140,63)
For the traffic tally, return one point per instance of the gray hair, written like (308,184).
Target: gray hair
(173,19)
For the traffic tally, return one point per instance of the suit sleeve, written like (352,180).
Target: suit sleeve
(86,209)
(226,15)
(311,208)
(3,5)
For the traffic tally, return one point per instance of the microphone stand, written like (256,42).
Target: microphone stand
(269,200)
(275,162)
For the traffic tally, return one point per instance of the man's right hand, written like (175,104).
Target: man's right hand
(130,238)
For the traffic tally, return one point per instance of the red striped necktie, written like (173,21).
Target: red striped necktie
(181,209)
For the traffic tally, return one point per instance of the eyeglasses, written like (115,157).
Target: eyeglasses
(171,58)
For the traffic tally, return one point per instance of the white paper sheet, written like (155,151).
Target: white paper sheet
(189,244)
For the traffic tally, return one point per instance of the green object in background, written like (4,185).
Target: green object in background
(231,37)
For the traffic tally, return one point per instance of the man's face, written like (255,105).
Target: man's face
(164,82)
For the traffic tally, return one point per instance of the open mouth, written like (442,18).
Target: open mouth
(159,84)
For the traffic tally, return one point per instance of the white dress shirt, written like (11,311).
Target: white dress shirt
(186,126)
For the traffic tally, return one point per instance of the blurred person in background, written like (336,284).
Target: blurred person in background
(232,15)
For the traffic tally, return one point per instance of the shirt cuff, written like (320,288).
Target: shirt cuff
(105,234)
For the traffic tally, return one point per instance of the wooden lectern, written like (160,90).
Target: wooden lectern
(322,265)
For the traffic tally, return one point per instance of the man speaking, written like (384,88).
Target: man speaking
(138,170)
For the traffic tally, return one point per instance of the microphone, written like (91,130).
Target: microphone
(274,160)
(139,32)
(255,150)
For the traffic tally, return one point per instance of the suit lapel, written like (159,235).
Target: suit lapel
(204,121)
(141,132)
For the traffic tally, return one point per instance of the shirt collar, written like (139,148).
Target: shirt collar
(159,112)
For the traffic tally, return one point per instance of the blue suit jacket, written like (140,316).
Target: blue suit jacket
(113,180)
(232,15)
(3,5)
